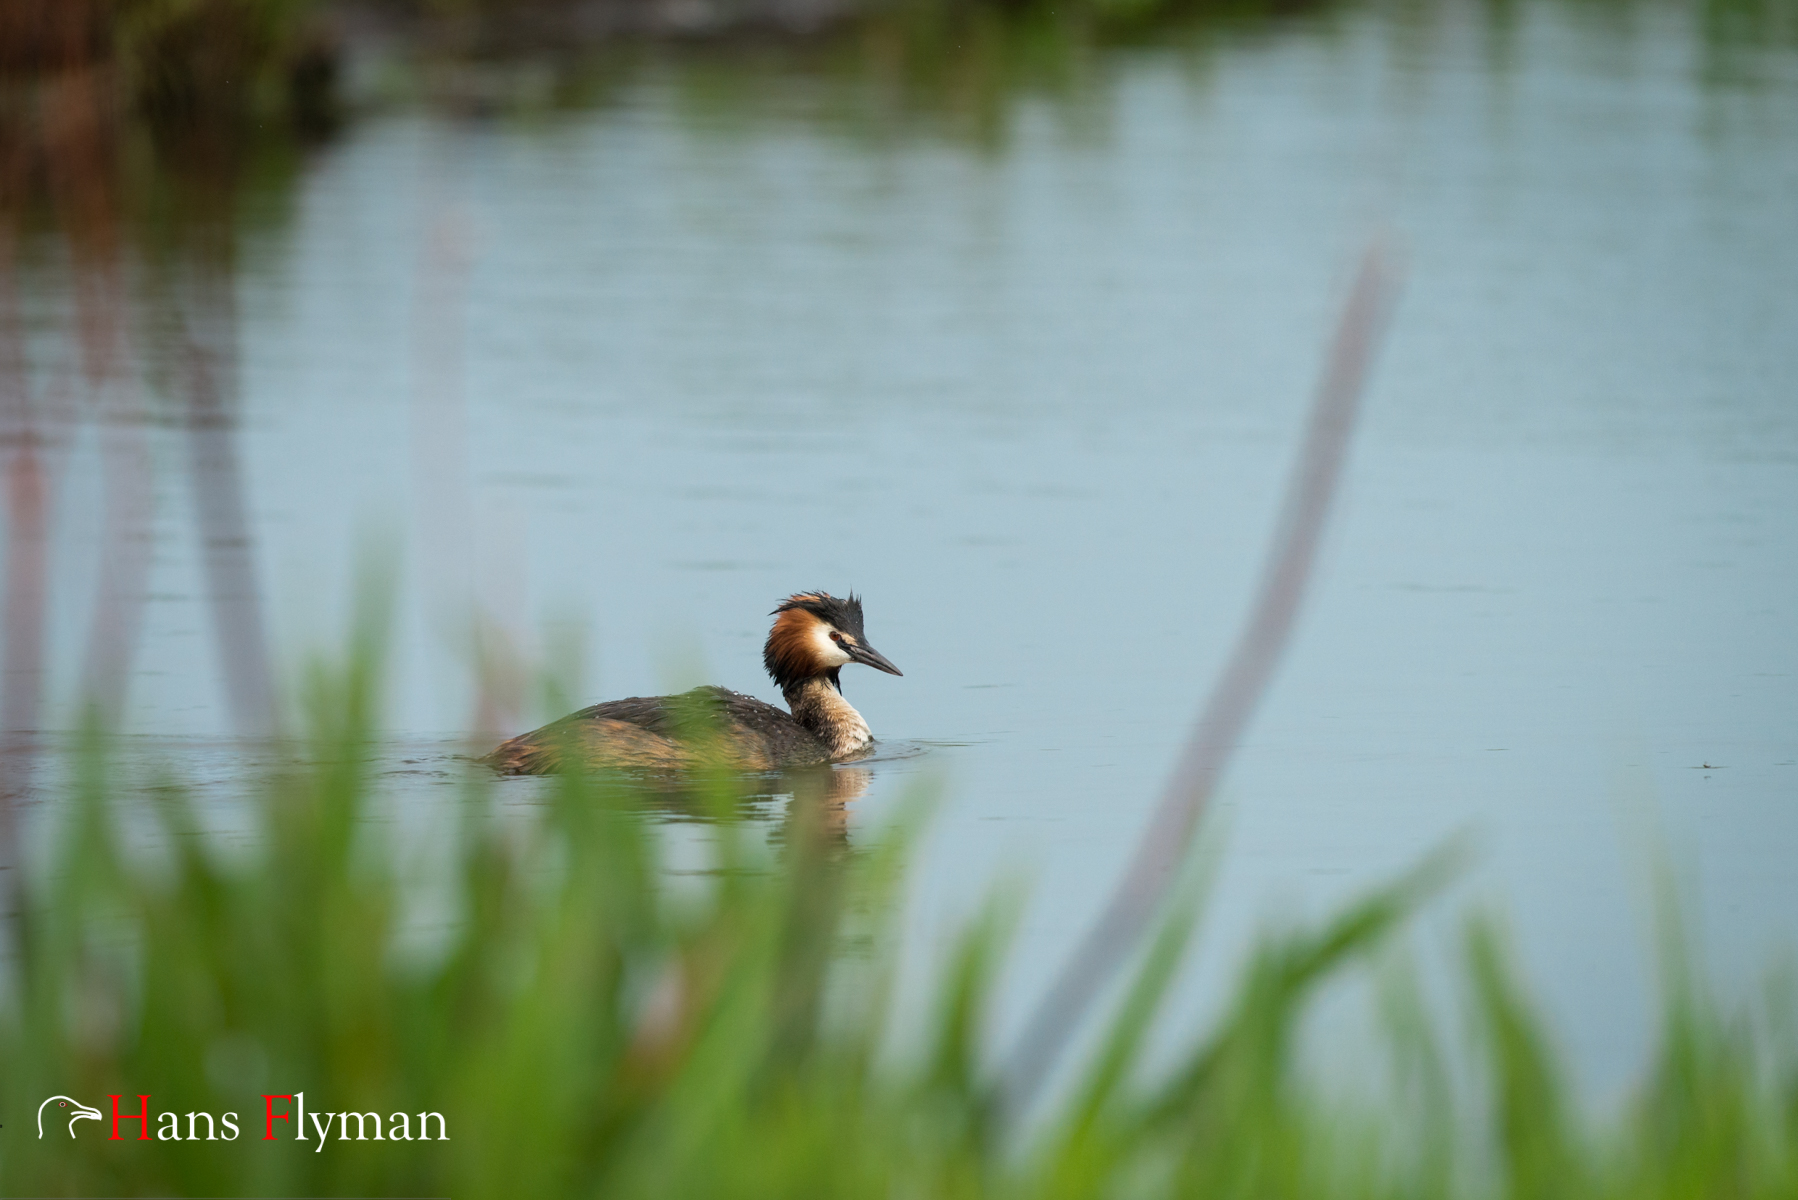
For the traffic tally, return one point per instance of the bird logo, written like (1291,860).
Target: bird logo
(81,1112)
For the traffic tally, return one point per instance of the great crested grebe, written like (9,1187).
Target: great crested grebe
(815,635)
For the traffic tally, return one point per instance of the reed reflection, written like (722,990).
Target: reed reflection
(59,161)
(125,156)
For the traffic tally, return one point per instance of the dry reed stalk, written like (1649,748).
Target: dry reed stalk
(1167,842)
(126,547)
(208,346)
(452,542)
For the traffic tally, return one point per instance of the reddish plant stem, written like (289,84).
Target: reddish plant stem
(27,553)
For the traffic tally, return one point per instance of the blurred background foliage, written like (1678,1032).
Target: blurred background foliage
(589,1024)
(151,115)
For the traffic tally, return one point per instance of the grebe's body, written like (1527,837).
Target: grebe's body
(815,635)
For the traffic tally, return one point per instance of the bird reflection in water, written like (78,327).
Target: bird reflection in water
(803,806)
(819,807)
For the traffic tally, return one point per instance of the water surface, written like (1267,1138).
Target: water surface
(642,369)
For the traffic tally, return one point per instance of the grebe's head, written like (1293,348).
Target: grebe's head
(814,634)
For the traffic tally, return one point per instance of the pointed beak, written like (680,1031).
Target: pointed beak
(873,658)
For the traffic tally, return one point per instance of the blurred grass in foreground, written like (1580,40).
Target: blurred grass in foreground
(589,1027)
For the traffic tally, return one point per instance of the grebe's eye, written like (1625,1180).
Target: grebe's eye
(836,637)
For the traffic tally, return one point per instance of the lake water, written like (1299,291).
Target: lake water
(641,369)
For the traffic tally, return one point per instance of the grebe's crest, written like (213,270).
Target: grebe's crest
(845,614)
(801,644)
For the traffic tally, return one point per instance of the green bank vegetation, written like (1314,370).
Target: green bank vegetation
(587,1026)
(167,127)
